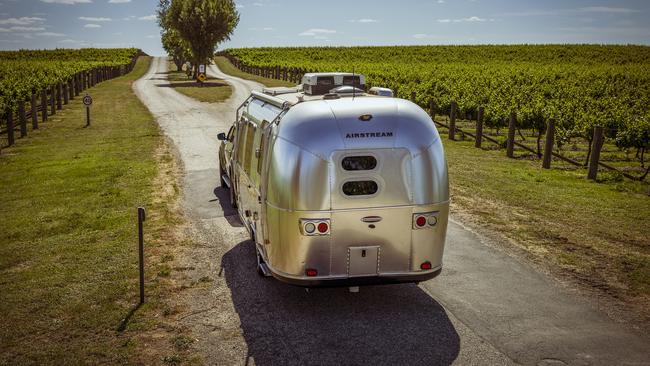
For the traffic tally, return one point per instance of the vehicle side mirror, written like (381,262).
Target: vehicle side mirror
(221,137)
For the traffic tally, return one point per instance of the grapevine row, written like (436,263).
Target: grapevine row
(579,86)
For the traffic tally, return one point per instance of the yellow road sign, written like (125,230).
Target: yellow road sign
(202,77)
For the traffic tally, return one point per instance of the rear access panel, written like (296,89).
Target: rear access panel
(363,261)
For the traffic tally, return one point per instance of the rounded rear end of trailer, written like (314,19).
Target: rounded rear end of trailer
(357,193)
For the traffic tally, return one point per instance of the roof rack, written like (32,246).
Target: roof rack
(281,90)
(271,99)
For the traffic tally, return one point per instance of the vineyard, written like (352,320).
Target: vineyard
(32,80)
(579,86)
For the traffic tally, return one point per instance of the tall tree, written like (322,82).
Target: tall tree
(172,42)
(203,24)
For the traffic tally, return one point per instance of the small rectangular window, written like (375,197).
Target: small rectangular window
(359,163)
(360,188)
(250,136)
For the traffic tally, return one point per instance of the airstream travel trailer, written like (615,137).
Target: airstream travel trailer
(338,187)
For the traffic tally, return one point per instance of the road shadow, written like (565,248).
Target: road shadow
(286,325)
(230,213)
(193,84)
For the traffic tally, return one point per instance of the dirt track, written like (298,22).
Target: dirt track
(486,307)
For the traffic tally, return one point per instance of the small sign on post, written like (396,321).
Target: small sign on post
(88,101)
(201,77)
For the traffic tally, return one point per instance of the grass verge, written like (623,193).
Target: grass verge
(597,232)
(212,91)
(228,68)
(68,257)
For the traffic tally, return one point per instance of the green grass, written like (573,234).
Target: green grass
(598,231)
(228,68)
(212,91)
(68,259)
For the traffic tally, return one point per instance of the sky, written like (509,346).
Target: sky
(36,24)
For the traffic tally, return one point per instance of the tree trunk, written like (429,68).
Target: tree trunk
(179,64)
(539,147)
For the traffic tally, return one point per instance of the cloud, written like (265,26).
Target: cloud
(364,20)
(118,1)
(73,42)
(21,29)
(606,9)
(425,36)
(472,19)
(239,6)
(266,29)
(21,21)
(317,32)
(67,2)
(92,26)
(50,34)
(95,19)
(148,17)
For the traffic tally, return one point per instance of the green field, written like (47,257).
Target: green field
(68,258)
(594,232)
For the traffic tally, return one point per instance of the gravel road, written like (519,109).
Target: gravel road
(487,308)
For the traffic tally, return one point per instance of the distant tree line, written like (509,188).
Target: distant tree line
(192,29)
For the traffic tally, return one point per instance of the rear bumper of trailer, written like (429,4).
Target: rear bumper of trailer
(357,281)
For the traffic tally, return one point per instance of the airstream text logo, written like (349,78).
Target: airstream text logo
(368,135)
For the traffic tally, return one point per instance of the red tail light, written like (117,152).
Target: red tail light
(310,272)
(425,220)
(323,227)
(425,266)
(315,227)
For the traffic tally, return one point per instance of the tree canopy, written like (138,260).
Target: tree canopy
(192,29)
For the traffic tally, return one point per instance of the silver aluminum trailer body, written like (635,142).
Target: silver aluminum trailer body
(341,191)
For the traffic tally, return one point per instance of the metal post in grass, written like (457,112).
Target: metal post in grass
(34,111)
(452,121)
(10,127)
(22,117)
(510,147)
(44,105)
(548,145)
(479,127)
(141,218)
(596,146)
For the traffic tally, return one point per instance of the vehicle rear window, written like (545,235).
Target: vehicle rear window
(360,188)
(359,163)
